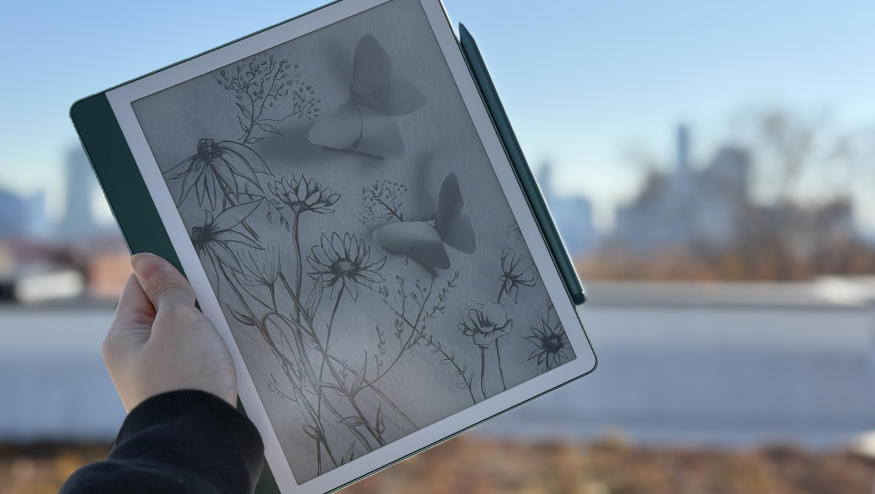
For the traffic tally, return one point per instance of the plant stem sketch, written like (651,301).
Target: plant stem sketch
(360,255)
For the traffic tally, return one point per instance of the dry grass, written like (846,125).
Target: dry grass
(758,263)
(473,464)
(611,466)
(42,468)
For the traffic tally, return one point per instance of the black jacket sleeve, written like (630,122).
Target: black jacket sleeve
(177,442)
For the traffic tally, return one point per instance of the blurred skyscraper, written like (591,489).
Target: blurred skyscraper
(572,214)
(688,206)
(78,221)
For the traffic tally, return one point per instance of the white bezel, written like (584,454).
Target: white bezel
(120,100)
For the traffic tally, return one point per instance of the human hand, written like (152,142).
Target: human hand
(159,341)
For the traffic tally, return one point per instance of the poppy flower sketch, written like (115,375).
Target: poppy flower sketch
(302,194)
(214,237)
(216,170)
(550,341)
(485,324)
(341,263)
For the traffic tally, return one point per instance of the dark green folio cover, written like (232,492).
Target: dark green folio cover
(120,178)
(135,212)
(127,195)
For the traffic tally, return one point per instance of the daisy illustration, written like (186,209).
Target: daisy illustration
(342,263)
(550,341)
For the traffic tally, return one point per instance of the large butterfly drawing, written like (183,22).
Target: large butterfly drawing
(424,241)
(366,123)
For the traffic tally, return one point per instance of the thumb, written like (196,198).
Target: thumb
(162,283)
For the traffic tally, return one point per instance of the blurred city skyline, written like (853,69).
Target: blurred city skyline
(623,76)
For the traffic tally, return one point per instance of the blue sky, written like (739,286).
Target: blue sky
(583,81)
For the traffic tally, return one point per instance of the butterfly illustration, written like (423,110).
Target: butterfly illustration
(365,124)
(424,241)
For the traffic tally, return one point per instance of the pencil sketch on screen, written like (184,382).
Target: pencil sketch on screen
(355,235)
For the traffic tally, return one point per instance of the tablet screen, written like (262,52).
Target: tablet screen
(355,234)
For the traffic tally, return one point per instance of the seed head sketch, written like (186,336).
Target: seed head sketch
(261,84)
(382,201)
(351,346)
(379,92)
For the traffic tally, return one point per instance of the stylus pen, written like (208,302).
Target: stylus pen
(520,165)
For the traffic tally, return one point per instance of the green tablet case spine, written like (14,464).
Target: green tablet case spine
(120,178)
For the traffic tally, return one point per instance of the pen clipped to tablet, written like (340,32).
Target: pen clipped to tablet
(521,168)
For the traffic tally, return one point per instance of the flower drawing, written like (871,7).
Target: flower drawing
(300,194)
(516,271)
(485,323)
(343,262)
(213,238)
(550,341)
(216,171)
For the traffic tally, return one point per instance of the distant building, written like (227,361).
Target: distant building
(572,214)
(78,222)
(22,216)
(808,232)
(687,206)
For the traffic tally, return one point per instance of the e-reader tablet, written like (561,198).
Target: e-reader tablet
(341,191)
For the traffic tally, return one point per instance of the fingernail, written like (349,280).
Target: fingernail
(147,265)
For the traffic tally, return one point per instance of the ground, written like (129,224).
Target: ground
(474,464)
